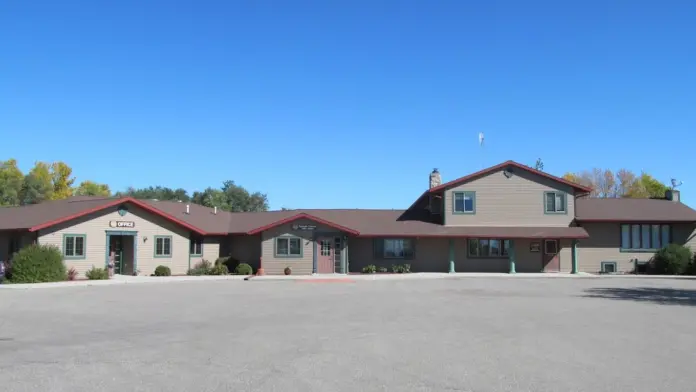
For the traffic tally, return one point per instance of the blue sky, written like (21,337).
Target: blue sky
(330,104)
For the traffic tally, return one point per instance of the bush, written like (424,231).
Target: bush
(38,264)
(95,273)
(370,269)
(219,269)
(397,269)
(72,273)
(201,268)
(244,269)
(673,259)
(229,261)
(163,270)
(406,268)
(382,269)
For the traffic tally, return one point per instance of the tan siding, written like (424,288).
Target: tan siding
(245,248)
(211,251)
(604,245)
(304,265)
(514,201)
(432,255)
(146,224)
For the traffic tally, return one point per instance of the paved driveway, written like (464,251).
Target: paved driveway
(472,334)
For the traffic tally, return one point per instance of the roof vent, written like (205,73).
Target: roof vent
(215,210)
(188,208)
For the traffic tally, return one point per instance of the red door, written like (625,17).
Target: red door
(325,255)
(552,257)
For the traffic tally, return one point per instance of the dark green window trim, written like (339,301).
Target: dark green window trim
(632,249)
(171,247)
(288,255)
(503,245)
(606,263)
(379,249)
(565,203)
(471,194)
(84,246)
(192,246)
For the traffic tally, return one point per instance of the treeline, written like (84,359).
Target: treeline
(622,183)
(54,181)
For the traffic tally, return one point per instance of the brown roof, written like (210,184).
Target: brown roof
(504,165)
(632,210)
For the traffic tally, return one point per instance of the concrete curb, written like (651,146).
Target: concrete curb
(120,281)
(412,276)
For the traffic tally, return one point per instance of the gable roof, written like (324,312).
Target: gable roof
(502,166)
(303,215)
(632,210)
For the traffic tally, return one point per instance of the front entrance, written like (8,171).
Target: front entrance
(326,251)
(121,254)
(551,261)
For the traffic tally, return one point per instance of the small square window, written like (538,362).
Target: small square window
(608,267)
(554,202)
(196,246)
(464,202)
(551,247)
(163,246)
(74,246)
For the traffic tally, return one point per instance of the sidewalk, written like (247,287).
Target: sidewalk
(416,276)
(120,280)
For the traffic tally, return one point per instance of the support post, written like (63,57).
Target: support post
(574,257)
(451,256)
(511,256)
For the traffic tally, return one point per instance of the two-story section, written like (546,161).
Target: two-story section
(518,219)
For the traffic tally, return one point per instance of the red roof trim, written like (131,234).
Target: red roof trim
(397,235)
(116,202)
(303,215)
(634,220)
(502,166)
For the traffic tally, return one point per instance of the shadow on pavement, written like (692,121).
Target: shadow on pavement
(663,296)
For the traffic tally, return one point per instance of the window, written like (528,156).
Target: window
(394,248)
(464,202)
(196,247)
(554,202)
(608,267)
(645,237)
(485,247)
(288,246)
(163,246)
(74,246)
(550,247)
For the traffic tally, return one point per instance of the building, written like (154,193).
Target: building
(507,218)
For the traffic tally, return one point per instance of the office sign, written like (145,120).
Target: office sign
(122,224)
(304,227)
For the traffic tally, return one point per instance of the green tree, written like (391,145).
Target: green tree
(623,183)
(539,165)
(647,186)
(157,192)
(37,185)
(232,197)
(11,180)
(90,188)
(62,182)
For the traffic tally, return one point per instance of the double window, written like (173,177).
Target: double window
(394,248)
(464,202)
(288,246)
(645,236)
(196,247)
(555,203)
(163,246)
(488,247)
(74,246)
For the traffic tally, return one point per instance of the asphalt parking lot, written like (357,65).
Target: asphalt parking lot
(475,334)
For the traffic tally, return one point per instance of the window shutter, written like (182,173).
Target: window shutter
(378,248)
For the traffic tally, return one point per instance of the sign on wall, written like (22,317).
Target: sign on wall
(535,246)
(122,224)
(304,227)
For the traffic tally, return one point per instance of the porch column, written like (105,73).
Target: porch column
(344,264)
(574,257)
(511,256)
(451,255)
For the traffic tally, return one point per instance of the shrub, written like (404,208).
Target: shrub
(72,273)
(382,269)
(397,269)
(95,273)
(370,269)
(201,268)
(219,269)
(229,261)
(673,259)
(406,268)
(37,264)
(163,270)
(244,269)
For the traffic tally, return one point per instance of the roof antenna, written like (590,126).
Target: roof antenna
(676,183)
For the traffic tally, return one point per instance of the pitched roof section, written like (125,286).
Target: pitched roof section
(303,215)
(632,210)
(504,165)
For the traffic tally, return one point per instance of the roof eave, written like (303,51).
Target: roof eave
(303,216)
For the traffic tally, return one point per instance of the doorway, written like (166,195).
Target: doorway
(121,253)
(325,255)
(551,256)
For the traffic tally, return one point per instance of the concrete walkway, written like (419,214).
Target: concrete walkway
(121,279)
(415,276)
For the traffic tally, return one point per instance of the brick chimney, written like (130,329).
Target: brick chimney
(435,178)
(673,195)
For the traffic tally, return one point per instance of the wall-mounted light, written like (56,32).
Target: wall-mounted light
(145,239)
